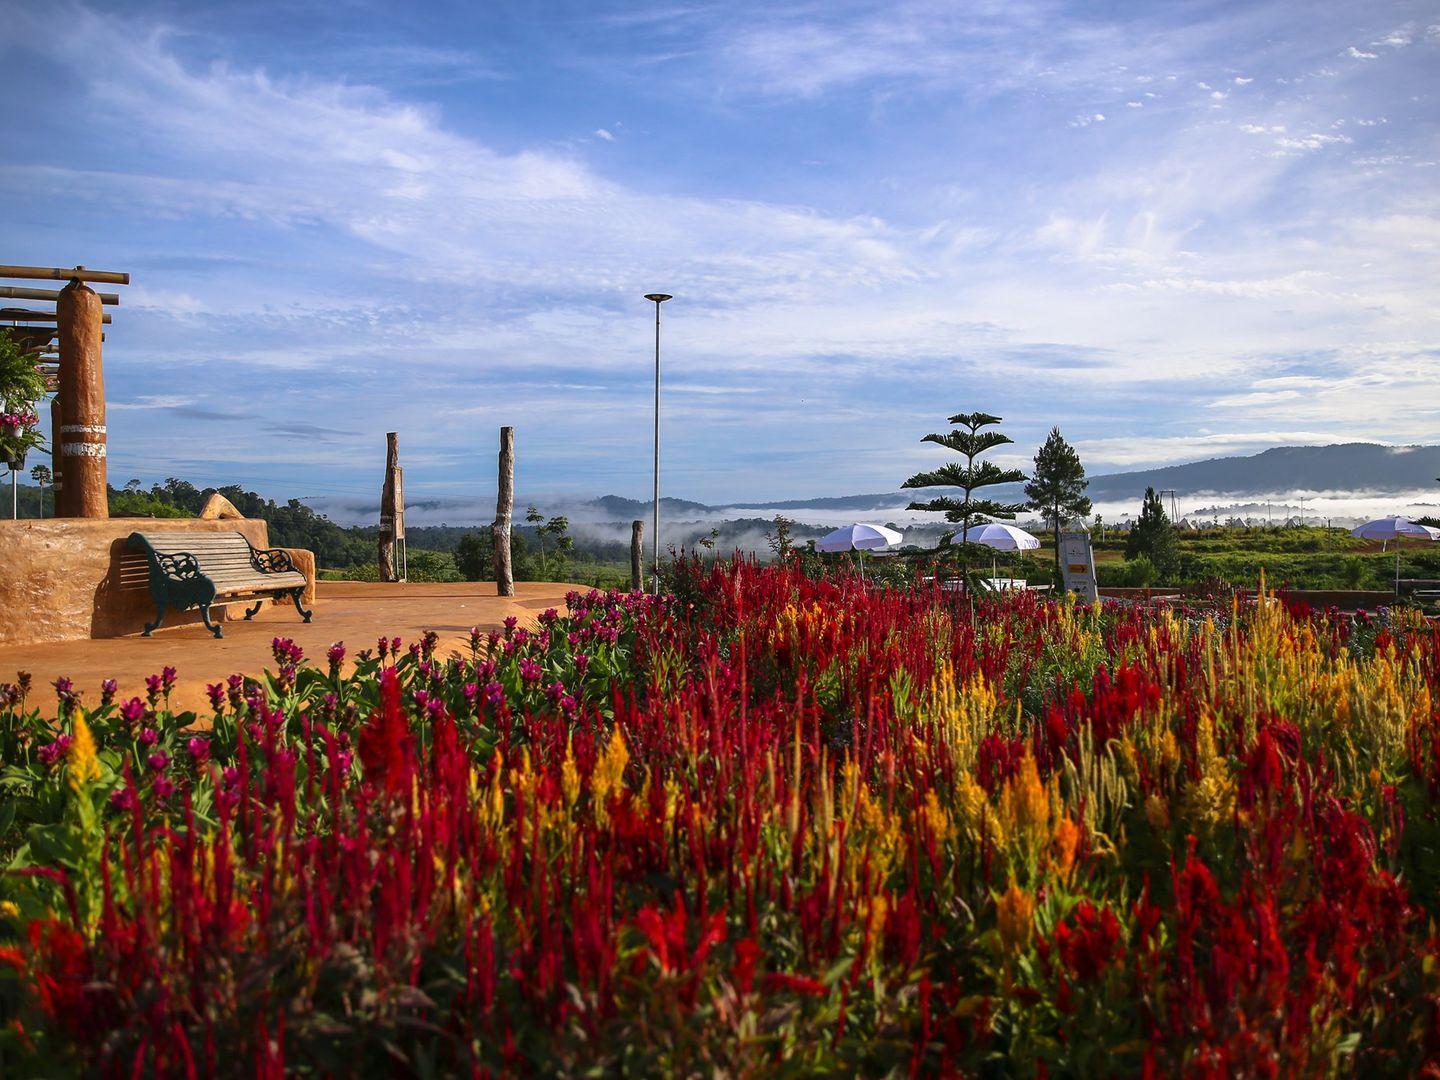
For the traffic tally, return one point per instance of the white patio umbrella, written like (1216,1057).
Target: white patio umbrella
(1001,537)
(1397,529)
(857,538)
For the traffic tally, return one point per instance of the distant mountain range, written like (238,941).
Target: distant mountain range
(1341,469)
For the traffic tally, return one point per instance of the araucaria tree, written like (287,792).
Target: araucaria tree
(969,441)
(1152,535)
(1057,487)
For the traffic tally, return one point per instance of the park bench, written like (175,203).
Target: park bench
(190,569)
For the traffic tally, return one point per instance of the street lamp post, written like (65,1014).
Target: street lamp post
(657,299)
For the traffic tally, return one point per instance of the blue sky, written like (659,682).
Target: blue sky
(1177,231)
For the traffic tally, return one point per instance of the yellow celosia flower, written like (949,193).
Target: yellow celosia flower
(569,777)
(937,821)
(84,764)
(1025,805)
(1015,918)
(609,773)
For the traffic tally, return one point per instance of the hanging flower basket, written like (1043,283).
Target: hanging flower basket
(17,435)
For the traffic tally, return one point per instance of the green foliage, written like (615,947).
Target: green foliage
(423,565)
(1153,536)
(779,538)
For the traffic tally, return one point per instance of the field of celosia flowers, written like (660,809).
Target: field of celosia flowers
(772,826)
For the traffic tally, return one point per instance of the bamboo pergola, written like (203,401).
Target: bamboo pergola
(65,340)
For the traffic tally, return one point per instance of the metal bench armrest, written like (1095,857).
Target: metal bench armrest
(272,560)
(180,565)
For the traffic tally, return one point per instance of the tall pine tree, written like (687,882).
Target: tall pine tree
(1057,486)
(969,441)
(1152,535)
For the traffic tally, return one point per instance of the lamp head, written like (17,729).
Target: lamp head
(658,297)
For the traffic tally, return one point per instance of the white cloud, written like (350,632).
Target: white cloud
(1241,81)
(1356,54)
(601,133)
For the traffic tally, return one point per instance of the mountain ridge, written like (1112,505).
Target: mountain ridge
(1335,468)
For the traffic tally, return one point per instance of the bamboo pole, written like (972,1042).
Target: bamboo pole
(15,314)
(15,292)
(637,555)
(504,513)
(387,508)
(60,273)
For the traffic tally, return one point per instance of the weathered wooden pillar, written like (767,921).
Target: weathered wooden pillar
(78,316)
(504,511)
(386,554)
(637,555)
(57,455)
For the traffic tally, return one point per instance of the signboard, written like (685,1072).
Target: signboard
(1077,564)
(399,503)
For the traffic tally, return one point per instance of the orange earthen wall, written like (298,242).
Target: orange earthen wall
(60,578)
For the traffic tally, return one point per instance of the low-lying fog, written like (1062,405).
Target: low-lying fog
(745,528)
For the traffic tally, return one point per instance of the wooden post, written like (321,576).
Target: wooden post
(504,511)
(386,553)
(637,556)
(82,404)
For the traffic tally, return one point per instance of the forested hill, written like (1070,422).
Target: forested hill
(292,523)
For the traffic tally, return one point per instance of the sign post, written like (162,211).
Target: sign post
(1077,562)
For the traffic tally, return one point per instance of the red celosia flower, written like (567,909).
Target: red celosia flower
(1088,941)
(385,740)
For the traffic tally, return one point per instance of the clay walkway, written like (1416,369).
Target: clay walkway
(354,612)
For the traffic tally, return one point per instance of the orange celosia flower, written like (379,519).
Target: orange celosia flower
(1064,842)
(1015,917)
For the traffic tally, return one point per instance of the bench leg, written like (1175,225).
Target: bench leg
(296,595)
(212,627)
(151,627)
(251,612)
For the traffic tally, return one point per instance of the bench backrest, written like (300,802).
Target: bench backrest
(217,551)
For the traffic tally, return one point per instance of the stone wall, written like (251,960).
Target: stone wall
(69,579)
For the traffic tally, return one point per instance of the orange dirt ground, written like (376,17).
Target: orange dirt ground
(354,612)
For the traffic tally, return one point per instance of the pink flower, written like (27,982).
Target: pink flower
(50,753)
(199,750)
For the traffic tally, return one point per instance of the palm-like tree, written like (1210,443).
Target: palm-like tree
(969,441)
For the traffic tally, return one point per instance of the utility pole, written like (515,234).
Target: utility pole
(657,299)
